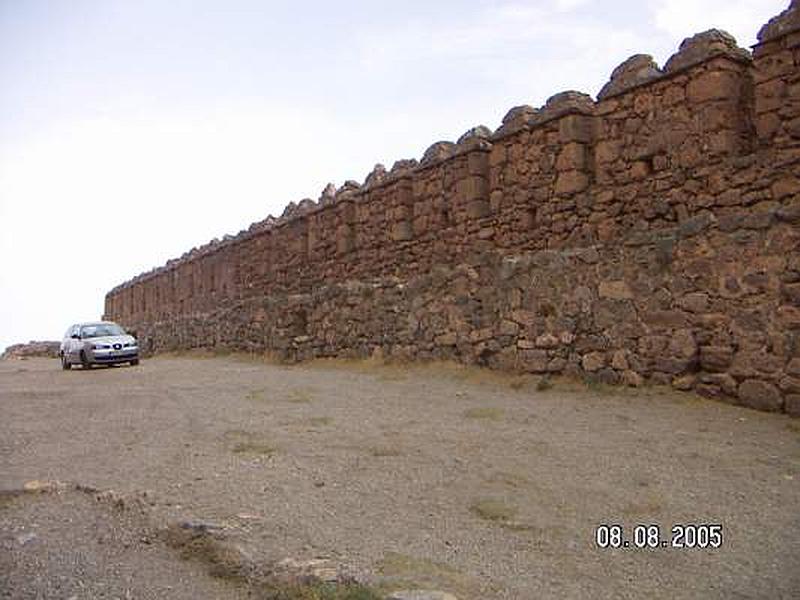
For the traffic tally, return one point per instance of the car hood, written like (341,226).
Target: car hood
(112,339)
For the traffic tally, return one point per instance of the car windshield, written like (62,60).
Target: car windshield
(101,330)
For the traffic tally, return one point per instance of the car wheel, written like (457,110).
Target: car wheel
(64,363)
(134,362)
(84,361)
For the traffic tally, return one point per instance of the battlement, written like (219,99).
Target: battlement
(652,193)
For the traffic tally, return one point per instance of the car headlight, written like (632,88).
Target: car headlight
(130,345)
(100,347)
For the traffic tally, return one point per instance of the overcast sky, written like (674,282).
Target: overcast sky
(131,131)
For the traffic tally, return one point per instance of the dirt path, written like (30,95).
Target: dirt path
(433,477)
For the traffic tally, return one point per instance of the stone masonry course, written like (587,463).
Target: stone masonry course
(650,235)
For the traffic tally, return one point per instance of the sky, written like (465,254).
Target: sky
(132,131)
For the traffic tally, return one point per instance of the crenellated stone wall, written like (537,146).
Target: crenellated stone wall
(652,234)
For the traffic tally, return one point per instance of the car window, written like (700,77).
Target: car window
(101,330)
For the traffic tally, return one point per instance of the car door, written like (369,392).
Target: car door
(74,344)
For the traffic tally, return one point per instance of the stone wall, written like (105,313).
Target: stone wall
(649,235)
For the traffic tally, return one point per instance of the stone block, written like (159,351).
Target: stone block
(714,85)
(572,156)
(571,182)
(575,128)
(402,231)
(684,382)
(784,187)
(760,395)
(789,316)
(616,290)
(725,382)
(478,163)
(533,361)
(594,361)
(498,155)
(789,385)
(619,360)
(478,209)
(715,358)
(793,368)
(472,188)
(446,339)
(631,378)
(547,340)
(695,302)
(607,151)
(665,319)
(792,405)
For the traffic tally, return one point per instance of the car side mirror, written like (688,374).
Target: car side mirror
(75,336)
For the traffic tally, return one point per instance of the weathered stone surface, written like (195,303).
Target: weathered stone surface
(619,360)
(516,119)
(760,394)
(723,381)
(617,290)
(787,21)
(631,379)
(716,358)
(638,69)
(684,382)
(793,368)
(793,405)
(438,152)
(650,235)
(31,349)
(571,182)
(593,361)
(705,45)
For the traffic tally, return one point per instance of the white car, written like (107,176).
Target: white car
(100,343)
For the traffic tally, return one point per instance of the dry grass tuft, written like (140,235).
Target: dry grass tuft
(259,395)
(406,571)
(254,448)
(300,396)
(385,451)
(221,560)
(485,412)
(9,497)
(513,480)
(248,442)
(493,510)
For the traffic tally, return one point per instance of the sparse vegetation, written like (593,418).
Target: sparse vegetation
(254,447)
(493,510)
(385,451)
(414,572)
(513,480)
(299,396)
(257,395)
(518,382)
(248,442)
(8,497)
(221,560)
(598,388)
(544,384)
(486,412)
(319,421)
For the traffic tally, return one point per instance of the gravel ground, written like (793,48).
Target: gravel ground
(435,477)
